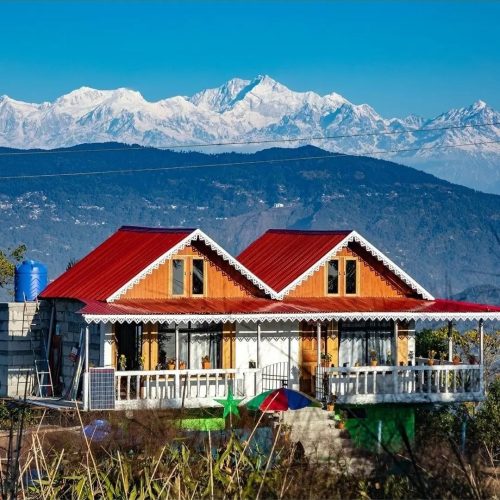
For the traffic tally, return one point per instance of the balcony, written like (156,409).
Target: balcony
(444,383)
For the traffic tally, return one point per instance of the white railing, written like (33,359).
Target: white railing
(422,383)
(177,386)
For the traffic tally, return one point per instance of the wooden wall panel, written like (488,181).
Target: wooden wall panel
(372,282)
(402,342)
(150,346)
(332,342)
(229,345)
(217,280)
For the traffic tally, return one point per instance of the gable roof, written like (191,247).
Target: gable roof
(127,257)
(285,258)
(280,256)
(114,262)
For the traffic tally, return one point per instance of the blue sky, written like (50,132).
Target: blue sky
(401,58)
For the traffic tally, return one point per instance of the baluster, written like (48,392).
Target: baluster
(454,382)
(356,391)
(128,387)
(365,375)
(118,387)
(463,373)
(374,381)
(429,380)
(207,392)
(216,383)
(395,380)
(446,381)
(156,396)
(147,387)
(422,380)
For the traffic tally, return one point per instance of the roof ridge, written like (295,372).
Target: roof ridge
(149,229)
(310,231)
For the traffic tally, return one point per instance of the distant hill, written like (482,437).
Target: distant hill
(446,236)
(263,109)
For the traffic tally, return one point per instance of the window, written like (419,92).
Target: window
(350,277)
(178,277)
(197,282)
(333,276)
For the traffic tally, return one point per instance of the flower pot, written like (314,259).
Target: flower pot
(430,362)
(456,360)
(373,362)
(330,407)
(340,425)
(182,365)
(171,366)
(206,365)
(325,364)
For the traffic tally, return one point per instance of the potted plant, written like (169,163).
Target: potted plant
(456,360)
(340,420)
(205,362)
(373,358)
(252,364)
(171,364)
(326,359)
(142,362)
(389,358)
(431,354)
(330,405)
(122,362)
(182,365)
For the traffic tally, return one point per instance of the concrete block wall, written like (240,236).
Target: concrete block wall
(22,325)
(69,324)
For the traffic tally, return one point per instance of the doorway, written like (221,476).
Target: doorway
(129,344)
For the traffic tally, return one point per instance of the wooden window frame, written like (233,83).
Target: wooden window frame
(191,259)
(327,293)
(186,272)
(344,281)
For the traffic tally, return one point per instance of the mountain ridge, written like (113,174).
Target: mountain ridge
(444,235)
(261,109)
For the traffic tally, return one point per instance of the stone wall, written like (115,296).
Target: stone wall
(22,326)
(70,325)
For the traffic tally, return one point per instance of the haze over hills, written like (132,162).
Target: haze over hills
(444,235)
(261,109)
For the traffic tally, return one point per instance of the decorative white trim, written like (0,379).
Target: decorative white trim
(354,236)
(254,318)
(197,234)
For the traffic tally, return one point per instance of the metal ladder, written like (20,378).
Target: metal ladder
(44,385)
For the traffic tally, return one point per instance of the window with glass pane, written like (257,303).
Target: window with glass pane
(350,276)
(333,276)
(198,277)
(177,277)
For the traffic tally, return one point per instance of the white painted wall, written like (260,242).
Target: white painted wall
(106,353)
(279,343)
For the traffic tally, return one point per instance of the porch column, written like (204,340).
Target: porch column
(318,343)
(176,376)
(481,355)
(258,378)
(450,341)
(258,344)
(85,395)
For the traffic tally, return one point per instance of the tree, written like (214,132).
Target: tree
(8,261)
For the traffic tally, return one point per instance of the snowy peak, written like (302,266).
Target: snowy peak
(250,110)
(219,98)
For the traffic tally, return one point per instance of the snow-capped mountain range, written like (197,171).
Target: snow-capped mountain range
(260,109)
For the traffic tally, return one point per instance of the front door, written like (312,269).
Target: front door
(129,344)
(309,351)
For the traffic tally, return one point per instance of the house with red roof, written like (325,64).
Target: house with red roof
(164,318)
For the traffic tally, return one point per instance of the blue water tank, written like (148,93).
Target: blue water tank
(29,280)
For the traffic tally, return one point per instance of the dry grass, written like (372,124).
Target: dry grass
(145,455)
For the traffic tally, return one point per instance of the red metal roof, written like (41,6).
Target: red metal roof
(280,256)
(114,263)
(269,306)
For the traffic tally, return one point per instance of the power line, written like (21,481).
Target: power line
(249,143)
(234,164)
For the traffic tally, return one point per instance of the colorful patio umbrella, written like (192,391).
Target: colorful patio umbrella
(281,400)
